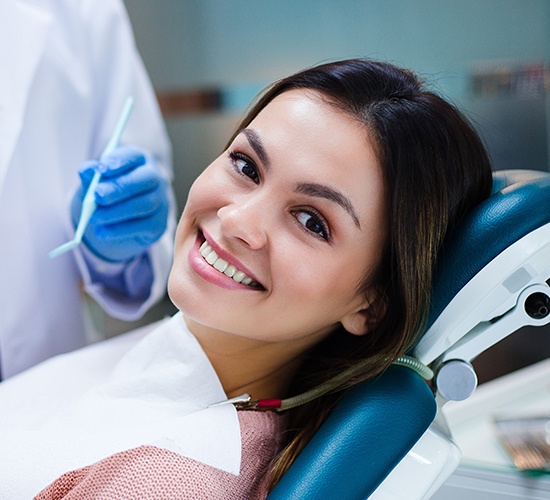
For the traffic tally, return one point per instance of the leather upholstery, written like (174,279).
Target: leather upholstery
(520,204)
(373,427)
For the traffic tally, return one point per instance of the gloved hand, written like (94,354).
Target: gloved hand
(132,205)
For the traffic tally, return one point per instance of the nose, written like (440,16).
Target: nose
(246,222)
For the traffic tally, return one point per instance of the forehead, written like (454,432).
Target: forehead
(320,142)
(301,104)
(312,123)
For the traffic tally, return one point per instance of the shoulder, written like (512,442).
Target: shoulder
(151,472)
(262,435)
(261,431)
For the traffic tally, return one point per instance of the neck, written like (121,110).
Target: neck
(258,368)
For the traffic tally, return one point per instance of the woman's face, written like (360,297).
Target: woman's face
(279,231)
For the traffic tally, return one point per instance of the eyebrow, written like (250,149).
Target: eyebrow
(307,188)
(321,191)
(256,144)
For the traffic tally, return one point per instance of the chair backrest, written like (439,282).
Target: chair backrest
(520,203)
(377,422)
(373,427)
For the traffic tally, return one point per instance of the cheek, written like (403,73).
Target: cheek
(209,190)
(172,287)
(197,193)
(182,287)
(319,282)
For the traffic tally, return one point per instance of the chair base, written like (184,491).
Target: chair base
(423,470)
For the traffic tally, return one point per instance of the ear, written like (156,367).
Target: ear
(363,319)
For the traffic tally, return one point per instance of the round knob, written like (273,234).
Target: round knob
(537,305)
(456,380)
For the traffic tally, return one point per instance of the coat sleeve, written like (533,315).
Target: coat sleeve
(117,72)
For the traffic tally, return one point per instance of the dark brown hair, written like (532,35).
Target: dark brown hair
(435,169)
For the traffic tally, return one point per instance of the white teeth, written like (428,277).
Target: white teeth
(239,276)
(220,265)
(211,257)
(223,266)
(205,249)
(230,271)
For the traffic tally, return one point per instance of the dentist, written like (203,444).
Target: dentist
(67,68)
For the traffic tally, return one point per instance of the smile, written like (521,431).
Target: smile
(211,258)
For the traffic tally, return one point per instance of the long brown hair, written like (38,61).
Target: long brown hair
(435,169)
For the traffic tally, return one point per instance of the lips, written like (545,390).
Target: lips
(212,258)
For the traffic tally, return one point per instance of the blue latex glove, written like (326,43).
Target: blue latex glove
(132,205)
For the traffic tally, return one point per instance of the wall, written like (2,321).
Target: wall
(219,41)
(209,43)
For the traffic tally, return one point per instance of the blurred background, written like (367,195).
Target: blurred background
(208,58)
(488,56)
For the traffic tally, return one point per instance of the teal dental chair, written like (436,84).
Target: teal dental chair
(387,438)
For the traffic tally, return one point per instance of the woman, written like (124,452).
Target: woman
(306,247)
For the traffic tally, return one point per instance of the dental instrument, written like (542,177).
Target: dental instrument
(88,203)
(245,401)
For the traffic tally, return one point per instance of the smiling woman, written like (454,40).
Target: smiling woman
(305,248)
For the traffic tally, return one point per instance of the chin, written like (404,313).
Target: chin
(176,292)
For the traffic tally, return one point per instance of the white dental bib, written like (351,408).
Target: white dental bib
(132,390)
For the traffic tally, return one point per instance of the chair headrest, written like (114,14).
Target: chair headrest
(519,204)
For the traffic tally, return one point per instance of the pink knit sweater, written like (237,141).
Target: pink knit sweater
(154,473)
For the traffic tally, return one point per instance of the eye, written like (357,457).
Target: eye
(245,166)
(313,222)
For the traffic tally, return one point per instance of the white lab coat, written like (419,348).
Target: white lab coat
(67,67)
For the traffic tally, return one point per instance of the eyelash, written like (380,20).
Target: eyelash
(319,219)
(237,157)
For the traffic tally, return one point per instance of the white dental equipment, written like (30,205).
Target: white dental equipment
(89,204)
